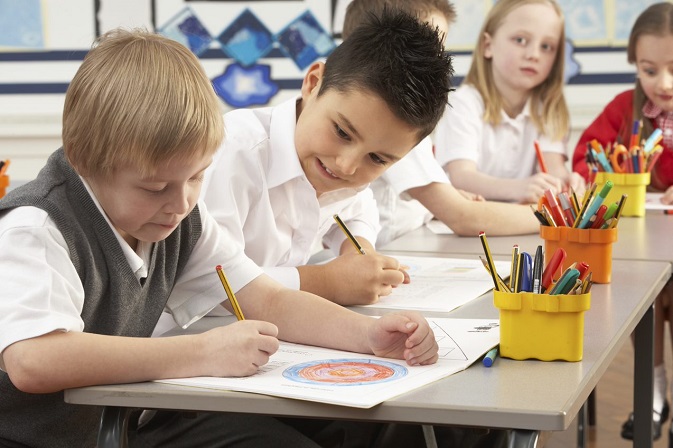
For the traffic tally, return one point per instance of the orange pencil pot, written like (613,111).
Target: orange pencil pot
(632,184)
(4,183)
(542,326)
(593,246)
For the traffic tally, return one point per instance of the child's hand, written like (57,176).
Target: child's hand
(405,335)
(576,183)
(531,189)
(357,279)
(238,349)
(667,198)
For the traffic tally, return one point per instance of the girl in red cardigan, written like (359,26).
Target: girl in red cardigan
(650,48)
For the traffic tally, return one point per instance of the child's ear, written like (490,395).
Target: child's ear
(312,78)
(486,43)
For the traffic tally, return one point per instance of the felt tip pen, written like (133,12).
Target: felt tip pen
(489,358)
(595,204)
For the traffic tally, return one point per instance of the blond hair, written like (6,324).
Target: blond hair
(139,100)
(357,11)
(548,107)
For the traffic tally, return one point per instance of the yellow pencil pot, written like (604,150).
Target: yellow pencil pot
(541,326)
(593,246)
(632,184)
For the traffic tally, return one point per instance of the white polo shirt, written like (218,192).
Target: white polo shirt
(505,150)
(42,292)
(257,190)
(398,212)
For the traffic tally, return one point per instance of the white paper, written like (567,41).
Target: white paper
(440,284)
(653,202)
(358,380)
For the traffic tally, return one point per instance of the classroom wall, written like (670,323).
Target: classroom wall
(38,58)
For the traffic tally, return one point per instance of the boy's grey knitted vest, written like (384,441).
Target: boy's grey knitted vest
(115,301)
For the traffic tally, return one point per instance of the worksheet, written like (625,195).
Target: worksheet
(441,284)
(653,202)
(357,380)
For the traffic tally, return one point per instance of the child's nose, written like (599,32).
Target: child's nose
(533,52)
(666,80)
(179,202)
(347,162)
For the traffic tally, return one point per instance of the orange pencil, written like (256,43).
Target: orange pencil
(540,158)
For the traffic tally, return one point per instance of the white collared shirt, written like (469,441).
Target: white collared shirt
(257,190)
(505,150)
(42,291)
(398,212)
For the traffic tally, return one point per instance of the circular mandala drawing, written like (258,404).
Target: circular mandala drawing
(345,372)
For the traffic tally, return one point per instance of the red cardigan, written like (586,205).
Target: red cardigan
(608,126)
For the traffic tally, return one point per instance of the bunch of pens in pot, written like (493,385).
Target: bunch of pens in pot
(529,274)
(639,157)
(565,209)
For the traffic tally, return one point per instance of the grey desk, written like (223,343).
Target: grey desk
(531,396)
(647,238)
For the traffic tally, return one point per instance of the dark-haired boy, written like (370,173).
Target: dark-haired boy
(283,172)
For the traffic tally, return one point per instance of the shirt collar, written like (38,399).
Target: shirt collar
(283,159)
(651,110)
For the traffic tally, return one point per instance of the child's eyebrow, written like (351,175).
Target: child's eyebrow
(349,125)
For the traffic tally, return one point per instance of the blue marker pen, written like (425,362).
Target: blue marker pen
(526,272)
(489,358)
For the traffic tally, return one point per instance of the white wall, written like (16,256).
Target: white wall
(30,123)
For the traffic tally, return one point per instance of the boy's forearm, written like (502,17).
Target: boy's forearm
(304,318)
(58,361)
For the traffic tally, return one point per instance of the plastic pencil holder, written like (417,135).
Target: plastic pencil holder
(593,246)
(4,183)
(632,184)
(541,326)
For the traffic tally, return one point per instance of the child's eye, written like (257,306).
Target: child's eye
(520,40)
(377,160)
(547,48)
(155,190)
(340,132)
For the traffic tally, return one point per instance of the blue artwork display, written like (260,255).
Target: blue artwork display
(246,39)
(187,29)
(242,86)
(304,40)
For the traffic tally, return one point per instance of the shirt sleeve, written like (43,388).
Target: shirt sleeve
(42,291)
(287,276)
(198,289)
(362,219)
(458,133)
(417,169)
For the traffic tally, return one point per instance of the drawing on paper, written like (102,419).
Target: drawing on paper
(345,372)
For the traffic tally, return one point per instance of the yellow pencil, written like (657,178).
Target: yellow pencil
(230,294)
(489,260)
(349,234)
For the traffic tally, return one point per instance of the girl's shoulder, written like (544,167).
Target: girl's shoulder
(467,97)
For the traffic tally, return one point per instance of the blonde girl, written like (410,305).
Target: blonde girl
(511,97)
